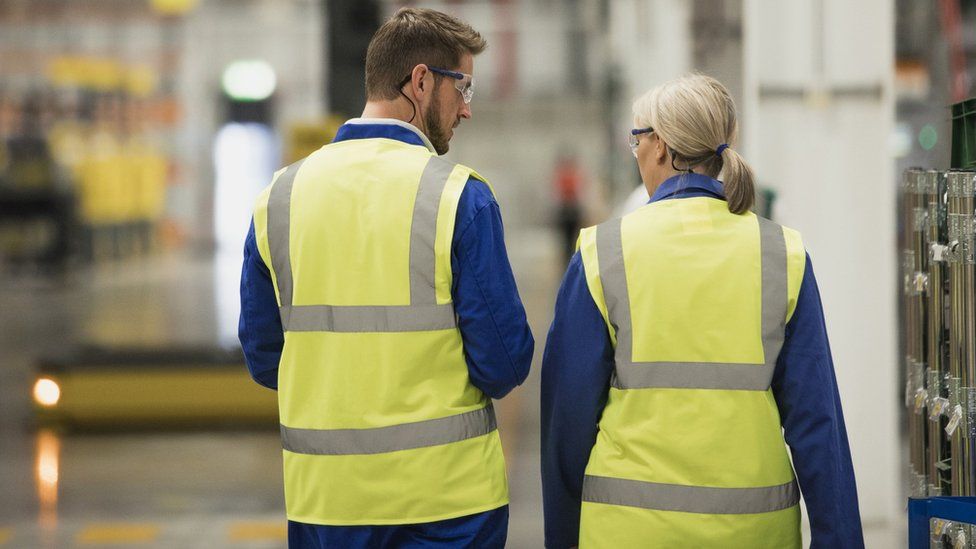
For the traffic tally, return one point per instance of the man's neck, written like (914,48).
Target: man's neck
(396,110)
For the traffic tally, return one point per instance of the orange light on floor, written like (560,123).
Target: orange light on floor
(47,469)
(47,392)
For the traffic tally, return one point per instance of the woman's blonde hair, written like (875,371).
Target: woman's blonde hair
(694,115)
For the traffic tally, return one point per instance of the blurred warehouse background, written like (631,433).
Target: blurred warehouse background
(136,134)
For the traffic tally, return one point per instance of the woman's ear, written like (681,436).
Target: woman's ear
(660,150)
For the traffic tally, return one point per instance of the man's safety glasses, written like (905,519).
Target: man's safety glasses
(464,83)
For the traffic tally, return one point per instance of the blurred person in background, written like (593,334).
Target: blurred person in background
(397,318)
(30,165)
(567,182)
(35,197)
(688,340)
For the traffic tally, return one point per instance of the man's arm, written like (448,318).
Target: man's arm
(497,342)
(806,393)
(576,370)
(260,324)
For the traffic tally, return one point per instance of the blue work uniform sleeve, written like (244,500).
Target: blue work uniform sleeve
(806,394)
(259,329)
(498,344)
(576,370)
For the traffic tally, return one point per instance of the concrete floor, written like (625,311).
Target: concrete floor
(197,489)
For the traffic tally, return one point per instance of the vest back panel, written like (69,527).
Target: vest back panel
(685,279)
(380,422)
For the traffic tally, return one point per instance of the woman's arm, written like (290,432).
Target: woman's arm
(576,370)
(805,389)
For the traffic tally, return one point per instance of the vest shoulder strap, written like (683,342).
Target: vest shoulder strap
(586,244)
(479,177)
(796,259)
(260,220)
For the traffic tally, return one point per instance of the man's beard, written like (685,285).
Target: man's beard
(432,122)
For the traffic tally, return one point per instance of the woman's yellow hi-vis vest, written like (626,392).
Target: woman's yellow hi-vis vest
(379,421)
(690,451)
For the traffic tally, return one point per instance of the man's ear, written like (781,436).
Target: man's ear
(419,75)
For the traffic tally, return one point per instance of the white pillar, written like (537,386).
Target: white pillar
(818,112)
(288,36)
(653,40)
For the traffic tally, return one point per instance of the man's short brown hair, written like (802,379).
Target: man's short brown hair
(411,37)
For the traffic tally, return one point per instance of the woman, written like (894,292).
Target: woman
(688,340)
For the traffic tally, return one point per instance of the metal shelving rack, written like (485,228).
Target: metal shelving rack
(939,329)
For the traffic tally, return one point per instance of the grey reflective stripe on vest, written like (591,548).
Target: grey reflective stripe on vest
(694,375)
(369,318)
(422,314)
(279,236)
(406,436)
(423,228)
(690,499)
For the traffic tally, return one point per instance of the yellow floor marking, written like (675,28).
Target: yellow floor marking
(120,533)
(254,531)
(5,535)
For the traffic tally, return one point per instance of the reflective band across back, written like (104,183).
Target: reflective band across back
(694,375)
(423,313)
(690,499)
(407,436)
(332,318)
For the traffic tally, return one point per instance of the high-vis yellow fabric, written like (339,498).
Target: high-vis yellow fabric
(380,423)
(690,451)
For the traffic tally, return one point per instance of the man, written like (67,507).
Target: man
(378,299)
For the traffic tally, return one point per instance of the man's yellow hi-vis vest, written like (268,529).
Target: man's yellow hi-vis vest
(379,421)
(690,451)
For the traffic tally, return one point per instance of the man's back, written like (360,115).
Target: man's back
(376,276)
(384,420)
(373,385)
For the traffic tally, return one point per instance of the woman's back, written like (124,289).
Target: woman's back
(690,439)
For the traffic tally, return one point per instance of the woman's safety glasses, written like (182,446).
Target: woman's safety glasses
(634,138)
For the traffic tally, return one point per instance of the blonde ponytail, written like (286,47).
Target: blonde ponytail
(737,178)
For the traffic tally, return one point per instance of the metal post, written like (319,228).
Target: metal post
(917,303)
(914,237)
(962,359)
(966,239)
(955,331)
(933,188)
